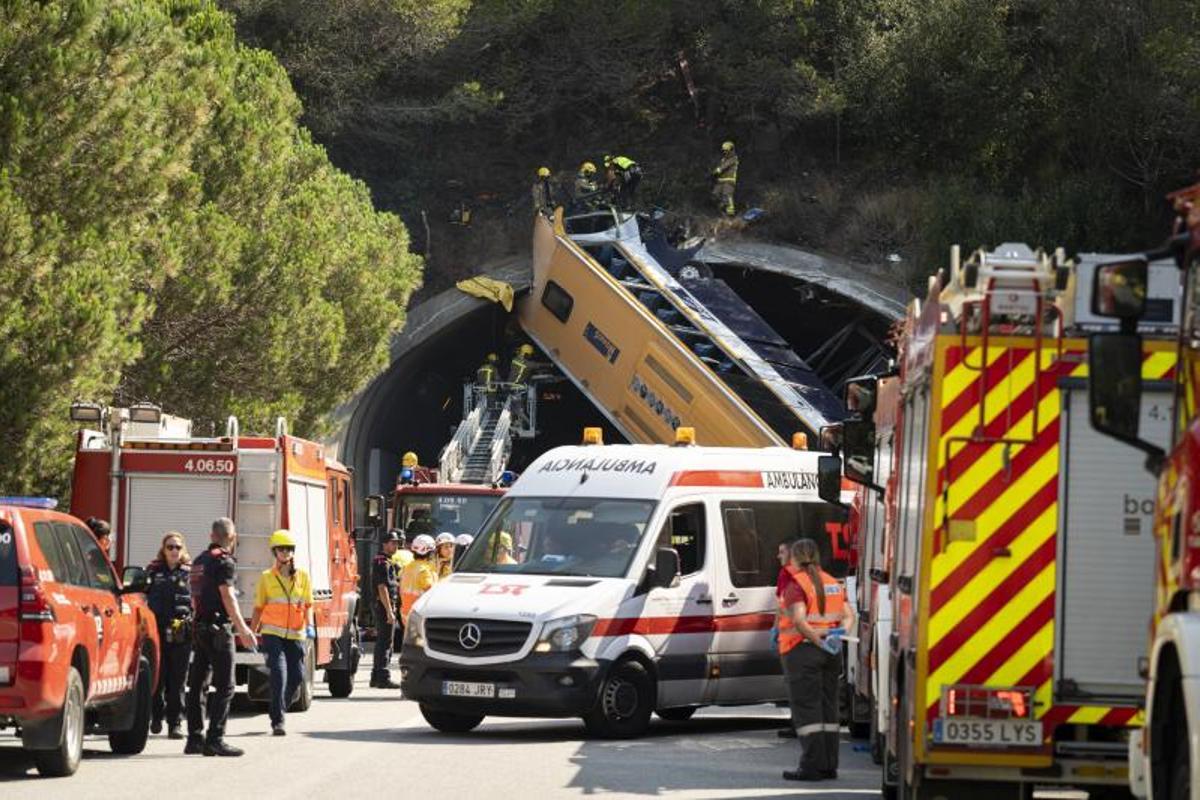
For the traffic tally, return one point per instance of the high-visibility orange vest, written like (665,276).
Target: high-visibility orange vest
(284,602)
(418,577)
(835,607)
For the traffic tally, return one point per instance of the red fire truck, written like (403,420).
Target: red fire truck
(147,474)
(1164,757)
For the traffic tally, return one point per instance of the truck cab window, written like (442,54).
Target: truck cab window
(684,531)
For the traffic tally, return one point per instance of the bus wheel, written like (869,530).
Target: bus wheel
(626,700)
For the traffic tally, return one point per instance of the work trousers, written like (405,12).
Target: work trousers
(723,193)
(212,660)
(173,669)
(812,681)
(384,633)
(285,663)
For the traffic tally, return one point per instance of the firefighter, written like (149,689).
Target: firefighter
(543,194)
(283,614)
(586,188)
(500,548)
(383,608)
(485,378)
(461,543)
(725,179)
(445,554)
(103,533)
(170,599)
(419,576)
(622,176)
(216,618)
(518,368)
(813,607)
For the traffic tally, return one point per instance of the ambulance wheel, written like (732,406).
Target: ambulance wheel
(64,759)
(626,699)
(133,741)
(448,722)
(304,695)
(681,714)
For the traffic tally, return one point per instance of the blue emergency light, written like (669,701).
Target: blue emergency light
(406,475)
(507,477)
(45,503)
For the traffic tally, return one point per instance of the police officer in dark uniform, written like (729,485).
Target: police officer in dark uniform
(170,599)
(217,616)
(383,609)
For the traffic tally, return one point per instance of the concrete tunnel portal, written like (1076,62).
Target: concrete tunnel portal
(416,402)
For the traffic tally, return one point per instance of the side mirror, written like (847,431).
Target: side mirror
(134,580)
(829,479)
(376,508)
(858,448)
(1119,289)
(666,568)
(1115,383)
(861,395)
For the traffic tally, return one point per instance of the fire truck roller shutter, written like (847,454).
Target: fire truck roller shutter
(1105,551)
(307,522)
(157,504)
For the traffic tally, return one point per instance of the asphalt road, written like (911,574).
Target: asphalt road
(374,742)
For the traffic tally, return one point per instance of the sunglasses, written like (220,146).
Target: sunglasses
(173,547)
(286,549)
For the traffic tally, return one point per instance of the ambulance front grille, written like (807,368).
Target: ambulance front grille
(495,637)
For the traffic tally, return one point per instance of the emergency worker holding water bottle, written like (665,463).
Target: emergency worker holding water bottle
(814,616)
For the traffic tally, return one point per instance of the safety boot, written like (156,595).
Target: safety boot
(194,746)
(220,748)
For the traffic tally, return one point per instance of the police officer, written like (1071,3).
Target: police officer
(217,617)
(170,599)
(813,606)
(383,609)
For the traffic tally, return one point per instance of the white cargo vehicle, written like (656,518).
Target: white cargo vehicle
(640,578)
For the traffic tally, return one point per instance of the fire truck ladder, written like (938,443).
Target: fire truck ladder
(480,447)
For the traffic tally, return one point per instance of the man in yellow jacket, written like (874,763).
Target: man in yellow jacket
(283,616)
(419,576)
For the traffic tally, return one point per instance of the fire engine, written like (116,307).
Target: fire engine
(147,473)
(1018,538)
(1164,757)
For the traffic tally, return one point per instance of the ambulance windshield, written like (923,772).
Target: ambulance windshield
(594,537)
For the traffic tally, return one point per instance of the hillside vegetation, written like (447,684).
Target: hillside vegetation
(169,233)
(866,127)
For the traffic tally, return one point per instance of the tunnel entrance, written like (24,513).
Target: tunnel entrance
(417,402)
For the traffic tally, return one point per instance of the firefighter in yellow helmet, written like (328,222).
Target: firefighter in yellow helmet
(283,615)
(725,179)
(621,178)
(419,576)
(485,378)
(500,548)
(586,187)
(518,368)
(543,194)
(409,460)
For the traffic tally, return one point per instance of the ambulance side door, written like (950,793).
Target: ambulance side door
(681,617)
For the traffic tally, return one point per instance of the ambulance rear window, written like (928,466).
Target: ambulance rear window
(754,531)
(9,574)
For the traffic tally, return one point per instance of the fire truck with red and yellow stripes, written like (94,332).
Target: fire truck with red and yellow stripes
(1018,539)
(1164,757)
(147,474)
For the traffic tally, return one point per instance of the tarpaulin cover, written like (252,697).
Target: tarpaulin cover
(488,289)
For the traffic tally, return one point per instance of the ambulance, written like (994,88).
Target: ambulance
(611,582)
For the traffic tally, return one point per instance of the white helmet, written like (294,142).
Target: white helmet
(464,539)
(444,538)
(422,545)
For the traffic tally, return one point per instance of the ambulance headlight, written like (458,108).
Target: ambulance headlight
(414,630)
(565,633)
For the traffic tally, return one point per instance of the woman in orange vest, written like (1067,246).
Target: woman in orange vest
(812,608)
(283,615)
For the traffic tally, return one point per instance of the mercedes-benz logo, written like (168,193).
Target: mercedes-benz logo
(469,636)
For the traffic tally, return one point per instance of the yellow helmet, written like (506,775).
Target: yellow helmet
(726,146)
(409,459)
(492,357)
(282,538)
(500,539)
(588,168)
(525,349)
(543,172)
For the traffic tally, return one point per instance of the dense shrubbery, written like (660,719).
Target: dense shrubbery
(168,232)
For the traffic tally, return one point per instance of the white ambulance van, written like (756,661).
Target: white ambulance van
(615,581)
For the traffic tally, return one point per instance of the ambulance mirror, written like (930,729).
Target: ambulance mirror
(375,511)
(829,479)
(1119,289)
(666,567)
(858,448)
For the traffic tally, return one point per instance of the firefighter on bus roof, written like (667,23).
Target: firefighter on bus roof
(813,607)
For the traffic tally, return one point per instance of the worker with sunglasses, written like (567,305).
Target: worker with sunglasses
(170,599)
(283,616)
